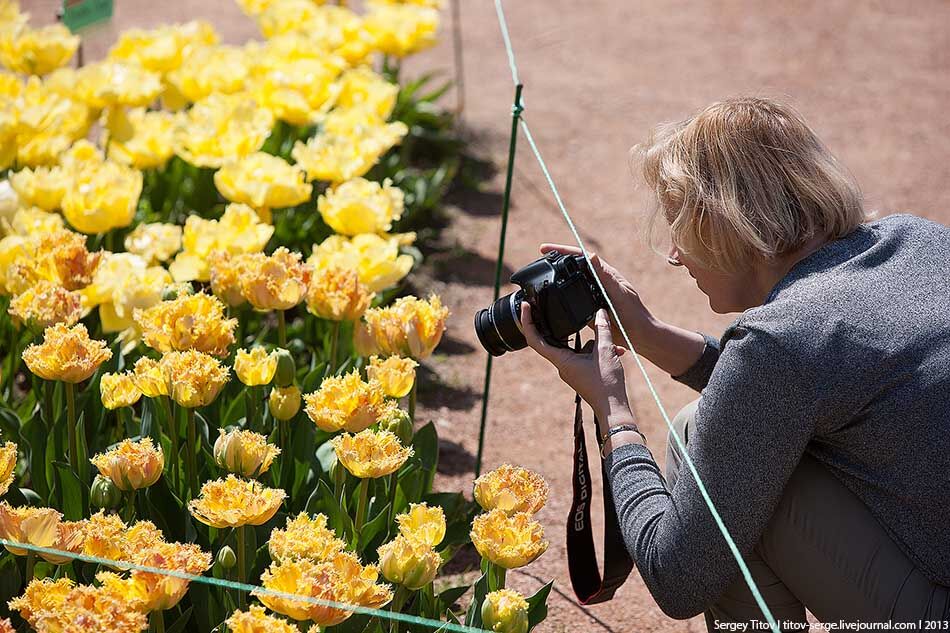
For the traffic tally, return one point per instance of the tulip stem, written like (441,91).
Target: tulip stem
(158,621)
(71,422)
(281,329)
(361,508)
(130,507)
(334,346)
(396,606)
(496,577)
(391,511)
(173,435)
(412,403)
(30,560)
(250,400)
(190,454)
(242,571)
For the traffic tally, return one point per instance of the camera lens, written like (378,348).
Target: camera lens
(498,327)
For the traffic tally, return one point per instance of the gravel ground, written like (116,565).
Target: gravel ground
(871,77)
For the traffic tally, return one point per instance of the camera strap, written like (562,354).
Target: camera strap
(589,586)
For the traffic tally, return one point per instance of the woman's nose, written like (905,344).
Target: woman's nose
(673,258)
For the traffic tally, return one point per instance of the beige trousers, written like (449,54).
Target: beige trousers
(822,550)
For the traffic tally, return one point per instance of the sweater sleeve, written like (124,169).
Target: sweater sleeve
(697,376)
(750,429)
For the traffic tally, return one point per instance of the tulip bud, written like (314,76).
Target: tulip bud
(173,291)
(399,424)
(104,493)
(244,452)
(408,562)
(286,369)
(226,558)
(505,611)
(284,402)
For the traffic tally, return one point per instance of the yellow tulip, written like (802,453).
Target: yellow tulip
(155,242)
(508,541)
(46,303)
(49,605)
(48,123)
(36,51)
(239,230)
(155,591)
(131,465)
(336,294)
(244,452)
(32,221)
(423,523)
(408,562)
(284,402)
(194,379)
(222,127)
(401,30)
(337,158)
(66,354)
(163,49)
(511,489)
(256,620)
(361,206)
(304,538)
(370,455)
(275,282)
(43,527)
(505,611)
(210,70)
(139,137)
(346,403)
(262,181)
(109,84)
(364,88)
(60,257)
(255,367)
(408,327)
(149,378)
(118,390)
(298,91)
(189,322)
(233,502)
(376,259)
(341,579)
(102,197)
(123,283)
(42,187)
(8,457)
(395,374)
(227,273)
(323,24)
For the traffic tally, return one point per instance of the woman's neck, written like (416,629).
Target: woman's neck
(767,275)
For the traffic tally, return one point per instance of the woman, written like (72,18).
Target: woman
(822,431)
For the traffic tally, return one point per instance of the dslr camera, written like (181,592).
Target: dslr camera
(562,293)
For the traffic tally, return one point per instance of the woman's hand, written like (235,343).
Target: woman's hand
(634,316)
(595,372)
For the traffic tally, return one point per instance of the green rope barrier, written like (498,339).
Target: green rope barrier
(516,111)
(438,625)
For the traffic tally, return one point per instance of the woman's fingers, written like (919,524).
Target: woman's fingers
(560,248)
(554,354)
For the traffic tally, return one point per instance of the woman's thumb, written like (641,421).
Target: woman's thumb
(602,328)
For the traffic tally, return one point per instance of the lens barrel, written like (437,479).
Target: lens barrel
(497,326)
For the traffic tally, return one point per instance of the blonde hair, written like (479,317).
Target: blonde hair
(745,177)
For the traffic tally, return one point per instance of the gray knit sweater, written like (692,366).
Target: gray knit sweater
(848,360)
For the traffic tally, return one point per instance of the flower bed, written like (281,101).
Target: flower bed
(208,372)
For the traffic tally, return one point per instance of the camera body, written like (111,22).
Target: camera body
(562,293)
